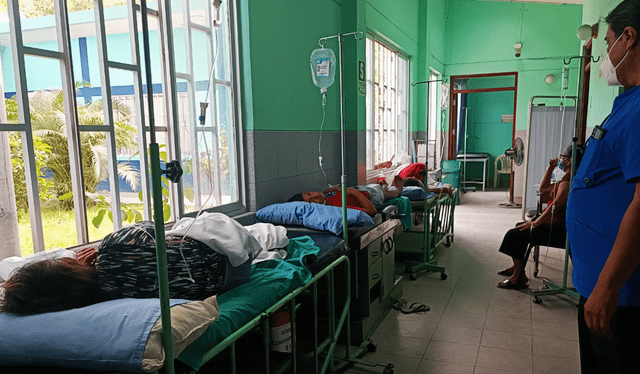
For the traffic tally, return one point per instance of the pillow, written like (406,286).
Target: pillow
(414,193)
(188,322)
(106,336)
(312,215)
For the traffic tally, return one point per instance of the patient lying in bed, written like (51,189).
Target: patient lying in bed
(125,266)
(366,198)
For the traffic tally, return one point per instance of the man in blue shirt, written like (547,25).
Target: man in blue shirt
(603,213)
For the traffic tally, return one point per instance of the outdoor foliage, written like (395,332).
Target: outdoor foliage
(41,151)
(51,145)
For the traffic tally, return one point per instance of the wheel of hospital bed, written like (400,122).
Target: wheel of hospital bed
(447,242)
(537,300)
(387,371)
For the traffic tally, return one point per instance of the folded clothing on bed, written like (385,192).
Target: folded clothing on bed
(312,215)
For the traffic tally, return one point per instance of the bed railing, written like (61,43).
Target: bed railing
(324,348)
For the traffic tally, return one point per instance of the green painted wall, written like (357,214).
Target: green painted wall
(282,35)
(601,96)
(485,44)
(396,22)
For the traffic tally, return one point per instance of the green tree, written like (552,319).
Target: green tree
(49,126)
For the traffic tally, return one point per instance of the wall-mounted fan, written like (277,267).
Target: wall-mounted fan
(516,153)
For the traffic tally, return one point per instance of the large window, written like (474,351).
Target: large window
(77,115)
(387,104)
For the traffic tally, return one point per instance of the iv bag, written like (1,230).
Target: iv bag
(323,67)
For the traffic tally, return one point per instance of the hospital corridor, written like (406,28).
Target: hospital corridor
(473,326)
(320,186)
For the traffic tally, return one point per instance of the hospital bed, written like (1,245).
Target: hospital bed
(241,310)
(374,285)
(437,214)
(247,308)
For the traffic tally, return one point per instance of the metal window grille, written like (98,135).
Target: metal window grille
(176,113)
(387,100)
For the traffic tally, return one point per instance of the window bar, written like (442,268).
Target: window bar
(71,119)
(138,90)
(171,102)
(107,109)
(22,97)
(236,97)
(213,106)
(193,107)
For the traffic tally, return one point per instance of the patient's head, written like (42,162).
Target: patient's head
(310,197)
(51,286)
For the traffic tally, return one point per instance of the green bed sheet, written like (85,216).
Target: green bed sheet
(270,281)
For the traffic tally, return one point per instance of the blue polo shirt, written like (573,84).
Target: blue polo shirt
(602,190)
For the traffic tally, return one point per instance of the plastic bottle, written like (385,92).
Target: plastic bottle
(323,68)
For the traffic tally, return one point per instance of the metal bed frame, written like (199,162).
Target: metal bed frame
(338,320)
(438,229)
(334,325)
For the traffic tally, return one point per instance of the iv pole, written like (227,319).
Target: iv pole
(343,178)
(428,263)
(174,172)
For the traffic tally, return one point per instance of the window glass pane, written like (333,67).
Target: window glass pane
(221,41)
(227,148)
(370,102)
(48,122)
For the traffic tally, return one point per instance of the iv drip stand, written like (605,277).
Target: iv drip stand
(343,184)
(174,172)
(343,178)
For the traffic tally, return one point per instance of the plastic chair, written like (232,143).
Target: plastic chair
(505,168)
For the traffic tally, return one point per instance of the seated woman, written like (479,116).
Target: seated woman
(547,229)
(366,198)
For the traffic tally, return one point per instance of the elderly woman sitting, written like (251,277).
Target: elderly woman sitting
(547,229)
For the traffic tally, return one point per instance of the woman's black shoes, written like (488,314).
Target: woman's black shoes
(512,286)
(506,272)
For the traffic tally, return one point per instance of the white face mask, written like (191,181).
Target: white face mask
(608,71)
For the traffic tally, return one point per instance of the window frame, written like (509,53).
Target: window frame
(169,81)
(393,114)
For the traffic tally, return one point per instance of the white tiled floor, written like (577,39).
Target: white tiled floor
(473,326)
